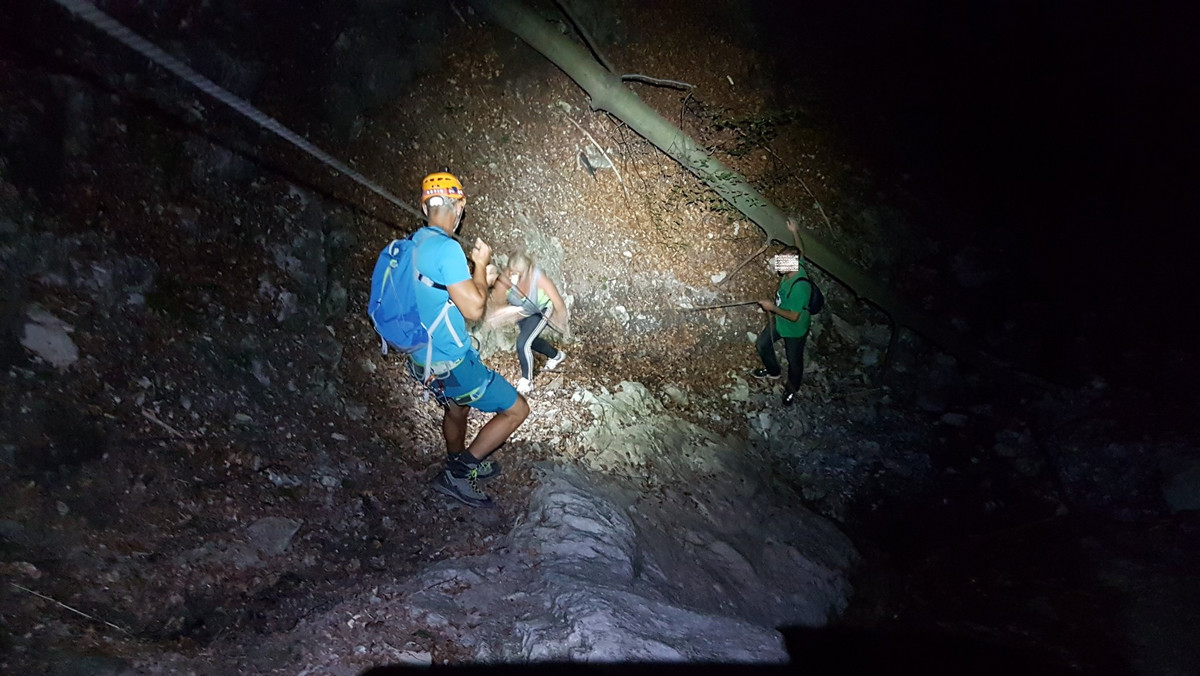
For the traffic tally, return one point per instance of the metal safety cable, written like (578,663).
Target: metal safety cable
(119,32)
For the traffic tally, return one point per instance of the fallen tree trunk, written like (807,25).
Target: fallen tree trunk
(608,93)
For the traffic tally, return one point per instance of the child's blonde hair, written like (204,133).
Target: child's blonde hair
(520,263)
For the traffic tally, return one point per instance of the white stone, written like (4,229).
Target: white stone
(740,391)
(676,395)
(47,336)
(414,658)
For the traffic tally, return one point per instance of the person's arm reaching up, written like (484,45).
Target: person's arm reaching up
(470,296)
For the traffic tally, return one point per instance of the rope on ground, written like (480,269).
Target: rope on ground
(119,32)
(74,610)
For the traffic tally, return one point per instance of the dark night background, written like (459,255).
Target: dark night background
(1056,136)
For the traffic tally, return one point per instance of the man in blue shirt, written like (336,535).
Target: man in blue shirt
(450,295)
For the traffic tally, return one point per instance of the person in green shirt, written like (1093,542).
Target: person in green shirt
(788,319)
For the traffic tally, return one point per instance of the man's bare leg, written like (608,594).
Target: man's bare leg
(498,429)
(454,428)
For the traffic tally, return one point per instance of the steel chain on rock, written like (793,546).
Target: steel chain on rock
(109,25)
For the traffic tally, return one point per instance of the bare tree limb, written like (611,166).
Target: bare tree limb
(683,109)
(817,202)
(718,306)
(149,415)
(744,263)
(659,82)
(804,185)
(587,38)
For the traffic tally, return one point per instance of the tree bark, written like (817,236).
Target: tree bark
(609,94)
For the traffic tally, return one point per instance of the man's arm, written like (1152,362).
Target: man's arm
(795,230)
(775,309)
(470,296)
(497,290)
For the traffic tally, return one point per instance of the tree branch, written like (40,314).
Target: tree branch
(674,84)
(804,185)
(587,38)
(739,303)
(743,264)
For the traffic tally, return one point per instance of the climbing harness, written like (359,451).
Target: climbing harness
(119,32)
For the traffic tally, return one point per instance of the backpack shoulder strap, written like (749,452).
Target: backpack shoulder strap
(418,238)
(394,248)
(797,281)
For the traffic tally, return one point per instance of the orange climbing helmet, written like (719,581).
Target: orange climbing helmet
(441,184)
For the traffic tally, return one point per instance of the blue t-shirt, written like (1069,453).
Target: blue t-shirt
(441,259)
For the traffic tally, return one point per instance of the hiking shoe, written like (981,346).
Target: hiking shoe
(465,490)
(462,464)
(554,361)
(790,398)
(764,374)
(524,386)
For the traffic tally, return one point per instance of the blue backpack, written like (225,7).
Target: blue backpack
(393,303)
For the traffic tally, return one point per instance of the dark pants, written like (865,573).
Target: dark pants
(530,340)
(792,347)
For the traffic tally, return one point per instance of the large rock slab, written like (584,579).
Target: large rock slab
(575,580)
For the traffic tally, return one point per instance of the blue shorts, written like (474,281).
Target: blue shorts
(470,384)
